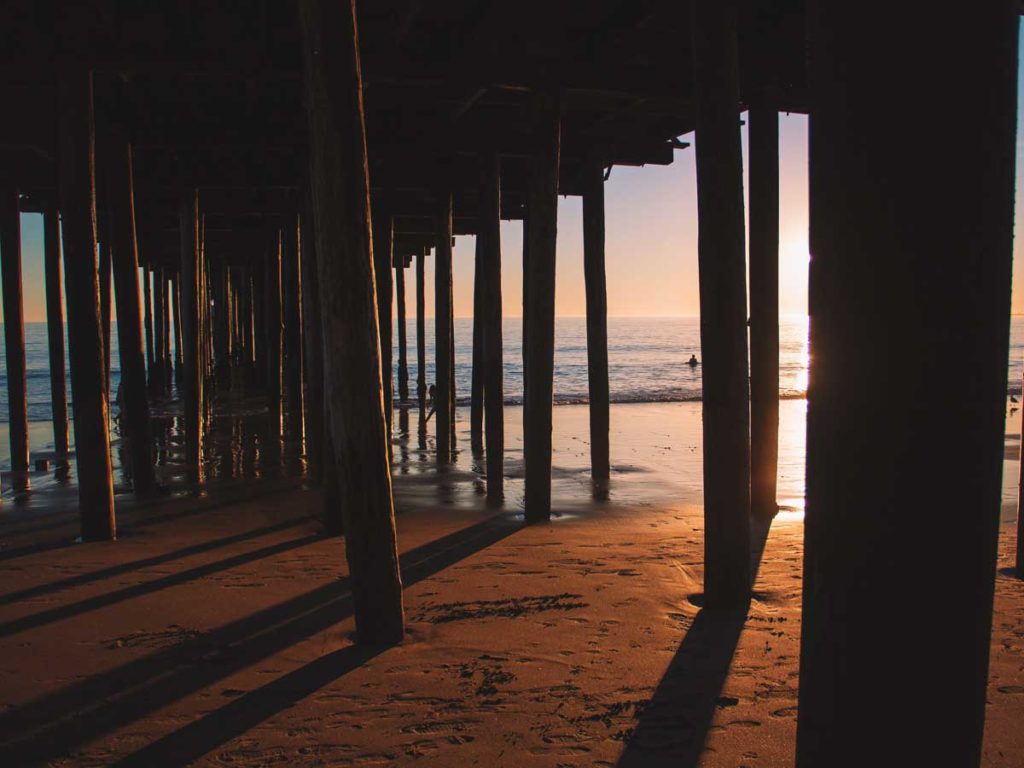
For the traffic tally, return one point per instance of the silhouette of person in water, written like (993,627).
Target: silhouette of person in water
(432,394)
(692,362)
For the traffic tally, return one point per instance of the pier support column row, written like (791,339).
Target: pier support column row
(542,233)
(124,246)
(353,382)
(77,180)
(911,252)
(721,260)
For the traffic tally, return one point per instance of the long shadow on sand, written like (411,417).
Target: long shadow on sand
(61,612)
(58,723)
(148,562)
(672,727)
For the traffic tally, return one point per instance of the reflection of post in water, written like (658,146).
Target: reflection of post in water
(403,439)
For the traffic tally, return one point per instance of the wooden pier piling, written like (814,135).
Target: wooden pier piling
(542,233)
(489,262)
(403,352)
(55,330)
(14,326)
(77,181)
(443,413)
(597,322)
(189,284)
(341,197)
(721,260)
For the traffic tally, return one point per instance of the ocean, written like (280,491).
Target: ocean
(647,359)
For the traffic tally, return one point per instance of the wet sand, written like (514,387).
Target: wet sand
(218,630)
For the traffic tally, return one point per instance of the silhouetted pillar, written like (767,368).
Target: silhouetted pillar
(524,334)
(383,245)
(176,312)
(597,318)
(542,200)
(340,185)
(273,332)
(403,355)
(476,386)
(489,262)
(166,300)
(421,342)
(911,251)
(1020,505)
(124,244)
(189,284)
(157,373)
(221,321)
(764,310)
(314,349)
(443,415)
(723,307)
(14,326)
(77,177)
(55,331)
(105,302)
(147,322)
(291,294)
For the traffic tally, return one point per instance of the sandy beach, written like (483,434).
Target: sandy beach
(218,631)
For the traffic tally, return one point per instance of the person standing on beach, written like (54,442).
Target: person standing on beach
(432,394)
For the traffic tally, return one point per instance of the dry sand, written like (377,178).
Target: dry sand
(219,632)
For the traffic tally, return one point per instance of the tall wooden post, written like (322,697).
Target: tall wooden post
(489,239)
(176,312)
(189,284)
(147,322)
(105,268)
(421,342)
(166,300)
(383,246)
(14,326)
(221,322)
(1020,505)
(124,244)
(476,386)
(157,373)
(341,197)
(524,333)
(723,307)
(764,310)
(597,319)
(273,332)
(908,269)
(443,415)
(291,294)
(55,331)
(403,354)
(77,176)
(542,200)
(314,350)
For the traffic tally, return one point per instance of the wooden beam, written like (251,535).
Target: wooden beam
(14,327)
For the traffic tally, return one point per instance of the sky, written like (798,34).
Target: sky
(650,241)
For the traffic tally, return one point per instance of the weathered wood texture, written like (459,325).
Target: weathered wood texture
(909,267)
(135,417)
(489,262)
(764,310)
(77,177)
(14,326)
(597,319)
(723,307)
(542,233)
(189,284)
(55,330)
(443,415)
(353,383)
